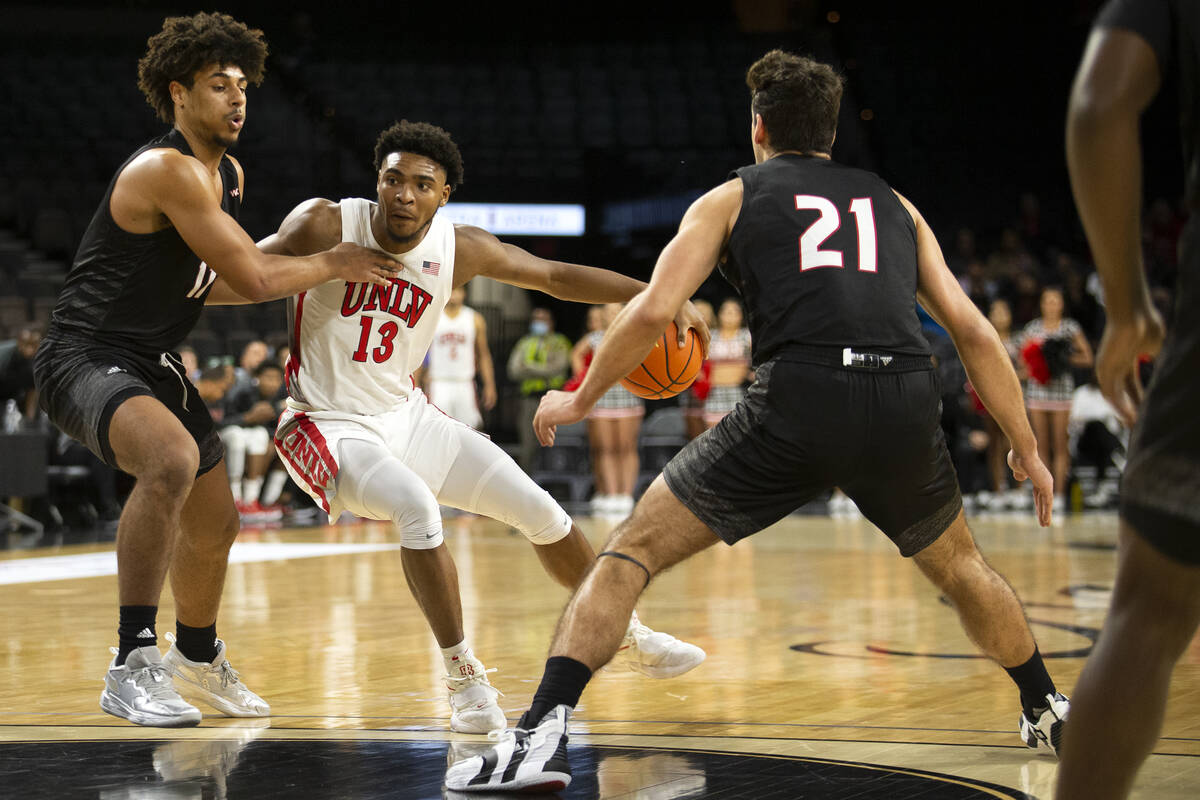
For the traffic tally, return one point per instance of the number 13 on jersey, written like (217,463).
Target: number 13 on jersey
(811,254)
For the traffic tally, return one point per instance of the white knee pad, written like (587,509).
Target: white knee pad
(484,480)
(375,484)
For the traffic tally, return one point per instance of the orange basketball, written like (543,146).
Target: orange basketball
(668,369)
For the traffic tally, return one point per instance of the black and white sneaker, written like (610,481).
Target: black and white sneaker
(1046,730)
(520,761)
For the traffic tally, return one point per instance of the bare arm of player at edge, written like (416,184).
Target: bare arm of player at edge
(1117,79)
(683,265)
(985,359)
(166,183)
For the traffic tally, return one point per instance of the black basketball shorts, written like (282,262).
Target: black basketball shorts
(805,428)
(1161,484)
(80,388)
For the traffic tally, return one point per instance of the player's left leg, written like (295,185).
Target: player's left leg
(484,480)
(196,659)
(660,533)
(1060,462)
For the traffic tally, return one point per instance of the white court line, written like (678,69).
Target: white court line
(91,565)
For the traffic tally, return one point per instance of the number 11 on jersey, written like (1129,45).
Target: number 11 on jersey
(811,254)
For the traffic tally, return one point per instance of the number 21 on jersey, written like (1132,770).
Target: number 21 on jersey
(811,254)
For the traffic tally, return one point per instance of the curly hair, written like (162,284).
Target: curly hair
(798,99)
(186,44)
(424,140)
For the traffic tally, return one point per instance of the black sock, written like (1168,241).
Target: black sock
(196,644)
(562,683)
(136,629)
(1033,681)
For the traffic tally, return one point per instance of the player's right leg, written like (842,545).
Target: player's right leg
(373,483)
(1121,695)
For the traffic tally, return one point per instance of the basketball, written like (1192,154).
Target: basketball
(667,370)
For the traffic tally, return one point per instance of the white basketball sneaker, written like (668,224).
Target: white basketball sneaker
(1046,730)
(141,691)
(520,761)
(216,683)
(473,706)
(659,655)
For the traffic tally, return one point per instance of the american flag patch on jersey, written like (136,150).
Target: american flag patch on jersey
(430,267)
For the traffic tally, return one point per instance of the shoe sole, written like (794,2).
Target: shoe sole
(114,705)
(545,782)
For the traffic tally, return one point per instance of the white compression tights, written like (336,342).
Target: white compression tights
(483,480)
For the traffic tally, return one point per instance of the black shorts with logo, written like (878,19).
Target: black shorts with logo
(804,428)
(1161,482)
(81,384)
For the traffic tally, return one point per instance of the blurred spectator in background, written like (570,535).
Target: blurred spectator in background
(191,364)
(613,427)
(964,252)
(1050,346)
(251,411)
(214,383)
(1000,315)
(253,354)
(538,363)
(729,354)
(692,401)
(1011,259)
(1024,299)
(16,376)
(458,354)
(976,284)
(1098,440)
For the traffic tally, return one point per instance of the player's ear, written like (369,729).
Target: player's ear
(178,91)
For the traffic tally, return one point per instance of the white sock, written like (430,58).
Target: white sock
(250,488)
(236,488)
(275,482)
(455,655)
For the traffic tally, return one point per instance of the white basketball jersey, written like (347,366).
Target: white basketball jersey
(356,345)
(452,357)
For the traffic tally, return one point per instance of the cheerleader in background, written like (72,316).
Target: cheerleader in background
(613,426)
(729,354)
(1050,346)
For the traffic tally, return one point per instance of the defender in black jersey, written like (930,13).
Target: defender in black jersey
(831,263)
(108,373)
(1155,606)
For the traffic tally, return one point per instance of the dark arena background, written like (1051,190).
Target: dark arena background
(834,669)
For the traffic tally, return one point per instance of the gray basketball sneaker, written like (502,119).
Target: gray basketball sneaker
(141,691)
(1046,730)
(216,683)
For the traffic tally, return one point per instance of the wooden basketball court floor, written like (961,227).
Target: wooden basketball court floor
(834,671)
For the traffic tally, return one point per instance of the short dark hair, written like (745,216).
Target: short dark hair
(424,140)
(186,44)
(798,99)
(267,365)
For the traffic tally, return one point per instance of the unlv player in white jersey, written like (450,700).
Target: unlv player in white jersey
(359,435)
(459,352)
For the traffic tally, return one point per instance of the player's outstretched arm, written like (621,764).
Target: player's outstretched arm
(985,359)
(683,265)
(1118,77)
(176,185)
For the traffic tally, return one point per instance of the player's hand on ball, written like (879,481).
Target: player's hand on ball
(556,408)
(362,265)
(690,317)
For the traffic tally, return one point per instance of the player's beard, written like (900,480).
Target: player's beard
(415,236)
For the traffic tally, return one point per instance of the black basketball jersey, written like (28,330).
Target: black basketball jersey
(824,255)
(138,291)
(1172,29)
